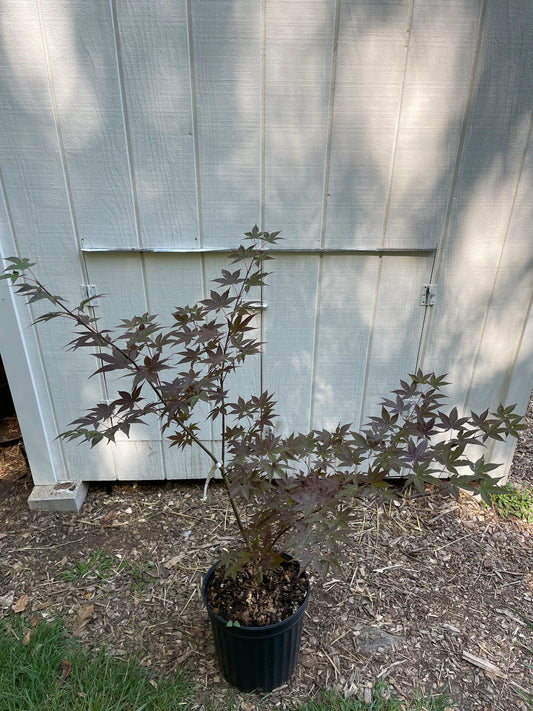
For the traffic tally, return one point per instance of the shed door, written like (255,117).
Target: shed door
(340,327)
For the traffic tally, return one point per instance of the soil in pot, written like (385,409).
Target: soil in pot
(242,600)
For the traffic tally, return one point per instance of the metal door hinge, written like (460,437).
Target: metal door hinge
(429,295)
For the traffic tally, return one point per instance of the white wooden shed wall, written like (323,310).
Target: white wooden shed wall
(389,141)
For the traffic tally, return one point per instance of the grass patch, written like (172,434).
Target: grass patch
(382,700)
(528,697)
(28,670)
(138,583)
(514,502)
(42,669)
(99,565)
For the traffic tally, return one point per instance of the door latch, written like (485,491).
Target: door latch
(429,295)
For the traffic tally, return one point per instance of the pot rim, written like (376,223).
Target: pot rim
(218,617)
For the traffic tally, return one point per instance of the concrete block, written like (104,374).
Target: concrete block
(63,496)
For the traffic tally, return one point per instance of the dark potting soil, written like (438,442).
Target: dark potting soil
(242,600)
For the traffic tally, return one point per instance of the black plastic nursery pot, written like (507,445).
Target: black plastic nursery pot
(256,658)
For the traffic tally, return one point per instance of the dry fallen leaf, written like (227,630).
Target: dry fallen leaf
(83,616)
(3,535)
(21,604)
(66,668)
(26,639)
(197,631)
(107,519)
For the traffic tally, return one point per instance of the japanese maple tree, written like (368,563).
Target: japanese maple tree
(297,492)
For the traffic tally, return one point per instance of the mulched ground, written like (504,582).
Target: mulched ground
(447,580)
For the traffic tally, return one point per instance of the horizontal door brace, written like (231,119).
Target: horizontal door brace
(380,252)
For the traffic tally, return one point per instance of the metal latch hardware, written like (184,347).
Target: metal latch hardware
(89,291)
(429,295)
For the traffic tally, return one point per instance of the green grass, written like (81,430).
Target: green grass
(103,683)
(138,583)
(381,701)
(514,502)
(31,676)
(527,697)
(99,565)
(28,672)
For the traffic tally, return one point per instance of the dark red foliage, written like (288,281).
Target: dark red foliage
(294,493)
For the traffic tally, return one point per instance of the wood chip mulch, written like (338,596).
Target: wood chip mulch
(448,581)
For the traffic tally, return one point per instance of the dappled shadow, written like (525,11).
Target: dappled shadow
(348,126)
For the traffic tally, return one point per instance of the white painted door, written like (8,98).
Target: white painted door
(340,327)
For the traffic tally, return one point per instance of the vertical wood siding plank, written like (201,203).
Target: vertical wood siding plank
(332,87)
(510,296)
(246,380)
(396,328)
(442,46)
(80,47)
(344,327)
(177,280)
(226,39)
(155,69)
(289,328)
(370,59)
(27,387)
(120,278)
(299,44)
(23,365)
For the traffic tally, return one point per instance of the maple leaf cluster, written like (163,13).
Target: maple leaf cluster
(294,493)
